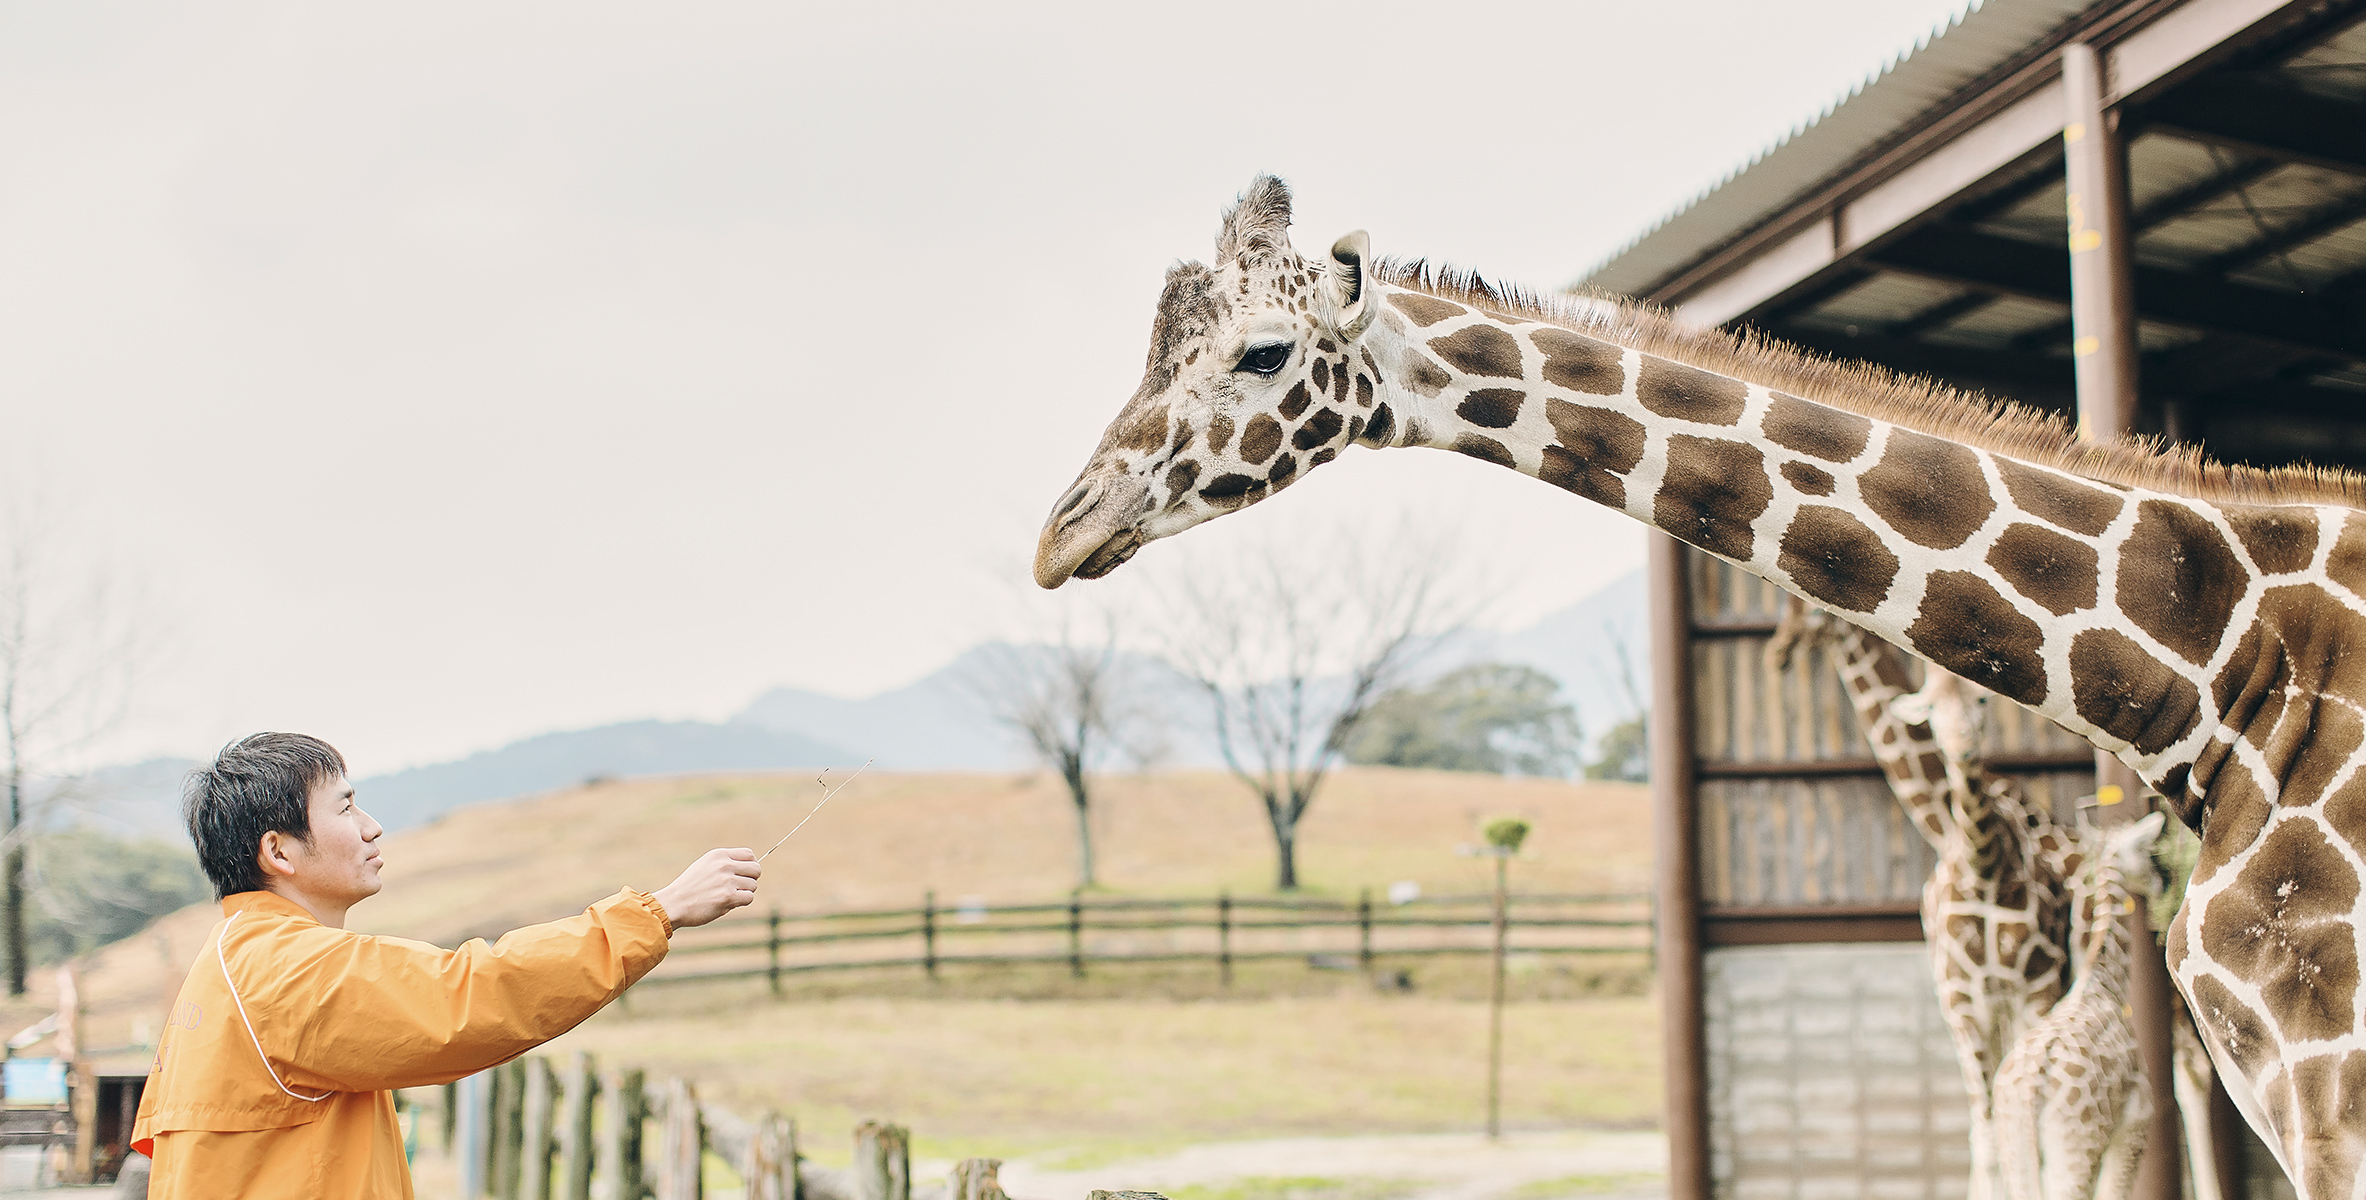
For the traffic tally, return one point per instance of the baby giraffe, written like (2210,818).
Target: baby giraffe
(2071,1098)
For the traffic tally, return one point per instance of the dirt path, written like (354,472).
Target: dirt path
(1532,1166)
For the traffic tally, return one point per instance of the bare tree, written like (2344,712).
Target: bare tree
(1071,704)
(1291,653)
(67,650)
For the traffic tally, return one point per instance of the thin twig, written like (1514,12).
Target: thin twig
(858,772)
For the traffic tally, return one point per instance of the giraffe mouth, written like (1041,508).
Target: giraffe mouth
(1110,555)
(1092,531)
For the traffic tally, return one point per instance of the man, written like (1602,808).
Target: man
(274,1076)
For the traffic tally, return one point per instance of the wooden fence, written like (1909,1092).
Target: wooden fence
(1221,930)
(528,1131)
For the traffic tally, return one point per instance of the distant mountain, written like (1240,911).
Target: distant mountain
(936,723)
(1578,645)
(556,760)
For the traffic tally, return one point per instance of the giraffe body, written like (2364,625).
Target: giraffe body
(2206,624)
(1996,909)
(2071,1098)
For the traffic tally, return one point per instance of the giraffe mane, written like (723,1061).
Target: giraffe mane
(1920,403)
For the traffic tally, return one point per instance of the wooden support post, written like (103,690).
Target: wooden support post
(1076,934)
(681,1154)
(1364,931)
(509,1104)
(928,934)
(772,948)
(575,1129)
(1503,862)
(975,1179)
(882,1162)
(450,1118)
(1676,850)
(536,1122)
(1224,937)
(770,1164)
(2103,353)
(620,1136)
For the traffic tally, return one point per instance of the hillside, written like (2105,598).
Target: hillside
(485,869)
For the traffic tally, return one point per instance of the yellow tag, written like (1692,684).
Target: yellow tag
(2085,239)
(2075,131)
(2108,795)
(2086,345)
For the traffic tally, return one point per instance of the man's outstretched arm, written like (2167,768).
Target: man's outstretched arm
(339,1012)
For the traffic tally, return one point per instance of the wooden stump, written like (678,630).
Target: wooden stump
(977,1179)
(769,1164)
(536,1142)
(575,1130)
(882,1162)
(682,1147)
(509,1102)
(620,1136)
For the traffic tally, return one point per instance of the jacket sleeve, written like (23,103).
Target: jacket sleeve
(362,1014)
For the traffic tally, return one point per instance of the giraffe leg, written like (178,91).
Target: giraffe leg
(2013,1127)
(2115,1171)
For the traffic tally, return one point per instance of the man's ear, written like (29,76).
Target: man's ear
(272,852)
(1346,280)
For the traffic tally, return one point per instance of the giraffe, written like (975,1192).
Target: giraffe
(2193,619)
(2071,1098)
(1995,910)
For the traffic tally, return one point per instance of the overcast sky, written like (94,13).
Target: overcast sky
(451,372)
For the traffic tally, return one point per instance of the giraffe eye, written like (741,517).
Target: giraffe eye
(1266,359)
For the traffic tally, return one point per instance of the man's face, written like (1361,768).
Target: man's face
(341,864)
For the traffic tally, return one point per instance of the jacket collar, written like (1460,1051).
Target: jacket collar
(259,903)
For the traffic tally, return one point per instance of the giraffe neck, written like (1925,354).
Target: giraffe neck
(2103,947)
(2089,603)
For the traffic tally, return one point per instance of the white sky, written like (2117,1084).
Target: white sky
(452,372)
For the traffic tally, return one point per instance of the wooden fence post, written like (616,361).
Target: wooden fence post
(541,1107)
(1364,931)
(450,1118)
(882,1162)
(928,933)
(774,947)
(770,1164)
(1076,933)
(975,1179)
(1224,937)
(620,1137)
(681,1151)
(472,1147)
(575,1130)
(509,1103)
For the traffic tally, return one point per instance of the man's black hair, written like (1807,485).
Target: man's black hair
(259,784)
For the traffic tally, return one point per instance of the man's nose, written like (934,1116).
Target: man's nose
(370,829)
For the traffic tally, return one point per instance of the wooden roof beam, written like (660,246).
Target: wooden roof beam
(2246,115)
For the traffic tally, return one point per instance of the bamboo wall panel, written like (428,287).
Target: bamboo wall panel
(1807,842)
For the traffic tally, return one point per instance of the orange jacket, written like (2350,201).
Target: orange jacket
(273,1076)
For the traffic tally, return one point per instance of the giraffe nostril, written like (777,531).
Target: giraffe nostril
(1076,497)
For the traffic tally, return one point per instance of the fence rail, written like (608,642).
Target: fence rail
(1222,930)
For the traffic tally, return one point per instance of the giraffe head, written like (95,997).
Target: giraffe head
(1255,377)
(2127,850)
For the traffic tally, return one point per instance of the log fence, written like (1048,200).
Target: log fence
(1224,930)
(579,1135)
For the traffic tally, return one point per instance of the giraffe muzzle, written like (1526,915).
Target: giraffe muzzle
(1092,531)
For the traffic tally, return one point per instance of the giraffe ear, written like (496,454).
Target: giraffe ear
(1346,282)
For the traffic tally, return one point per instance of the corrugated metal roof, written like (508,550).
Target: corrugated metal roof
(1976,41)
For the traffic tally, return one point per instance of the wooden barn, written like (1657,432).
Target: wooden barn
(2148,213)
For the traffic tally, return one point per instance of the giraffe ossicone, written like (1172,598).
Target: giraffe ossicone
(2205,623)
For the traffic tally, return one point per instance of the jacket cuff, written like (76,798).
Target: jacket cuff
(655,909)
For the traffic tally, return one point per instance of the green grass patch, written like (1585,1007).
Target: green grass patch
(1299,1187)
(1581,1185)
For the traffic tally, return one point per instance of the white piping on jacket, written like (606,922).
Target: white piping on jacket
(250,1025)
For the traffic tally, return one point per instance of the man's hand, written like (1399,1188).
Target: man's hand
(721,880)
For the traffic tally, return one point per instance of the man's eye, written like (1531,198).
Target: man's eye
(1265,360)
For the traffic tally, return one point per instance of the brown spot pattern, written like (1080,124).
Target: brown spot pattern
(2178,579)
(1491,408)
(1425,377)
(1228,487)
(1712,493)
(2238,1029)
(1580,363)
(1283,468)
(1816,430)
(1611,440)
(1835,558)
(2284,926)
(1483,447)
(1219,433)
(2279,540)
(1260,439)
(2128,693)
(1294,402)
(1382,427)
(1480,350)
(1672,389)
(2346,563)
(1813,480)
(1321,428)
(1572,473)
(1966,627)
(1322,377)
(1425,310)
(1363,390)
(1928,489)
(2056,570)
(2333,1121)
(2054,498)
(1180,478)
